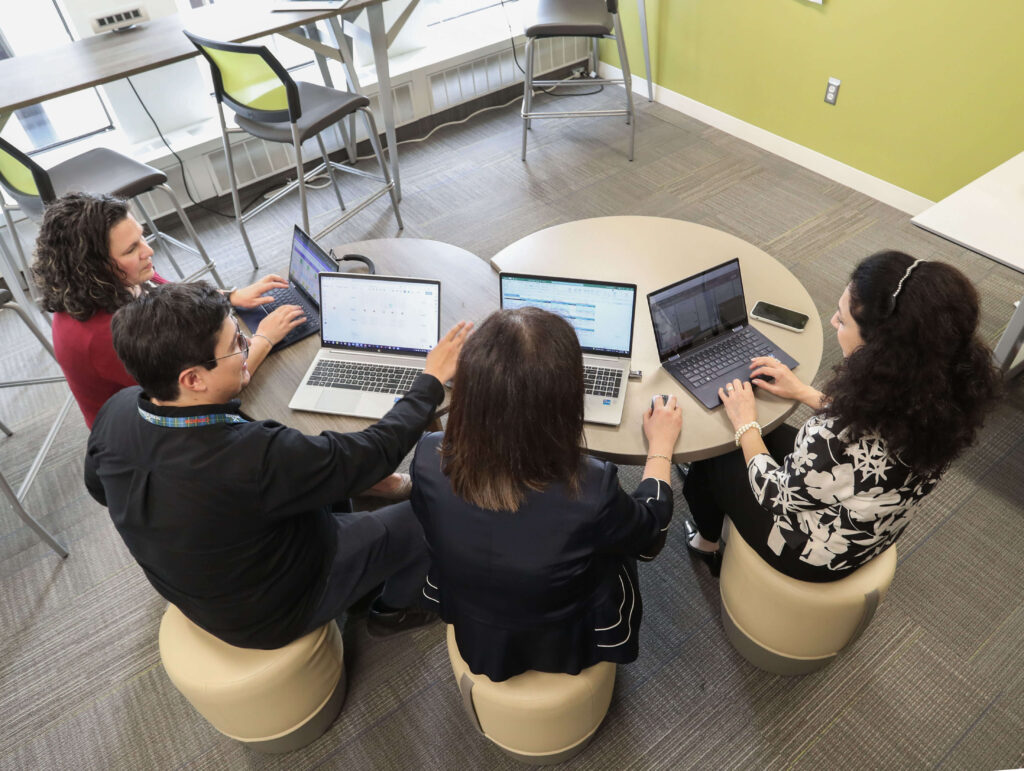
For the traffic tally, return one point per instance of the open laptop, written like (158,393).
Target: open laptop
(375,333)
(602,314)
(307,261)
(703,335)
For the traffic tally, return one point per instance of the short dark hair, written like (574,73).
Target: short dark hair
(73,267)
(516,418)
(167,330)
(923,381)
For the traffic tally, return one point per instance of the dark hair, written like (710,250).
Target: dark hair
(516,419)
(922,380)
(171,328)
(73,267)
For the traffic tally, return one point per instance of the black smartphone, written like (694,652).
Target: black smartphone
(780,317)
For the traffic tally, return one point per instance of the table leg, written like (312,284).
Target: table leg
(642,7)
(1009,344)
(379,40)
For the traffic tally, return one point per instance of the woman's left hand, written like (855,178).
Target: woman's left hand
(254,295)
(740,405)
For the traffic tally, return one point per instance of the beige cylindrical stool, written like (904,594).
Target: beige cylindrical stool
(792,627)
(536,717)
(273,701)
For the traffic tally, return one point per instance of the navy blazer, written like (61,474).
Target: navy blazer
(550,587)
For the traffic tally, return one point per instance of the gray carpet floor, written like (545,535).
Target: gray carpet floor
(937,680)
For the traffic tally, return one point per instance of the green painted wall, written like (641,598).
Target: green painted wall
(932,91)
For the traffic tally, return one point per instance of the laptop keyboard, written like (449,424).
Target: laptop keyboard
(290,296)
(357,376)
(599,381)
(715,360)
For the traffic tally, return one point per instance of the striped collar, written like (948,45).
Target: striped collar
(192,421)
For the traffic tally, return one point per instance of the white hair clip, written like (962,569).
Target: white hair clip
(899,286)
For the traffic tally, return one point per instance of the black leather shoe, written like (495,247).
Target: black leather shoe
(381,624)
(712,558)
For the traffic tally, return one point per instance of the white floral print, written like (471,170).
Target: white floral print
(844,500)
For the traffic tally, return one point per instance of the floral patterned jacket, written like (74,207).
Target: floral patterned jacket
(840,501)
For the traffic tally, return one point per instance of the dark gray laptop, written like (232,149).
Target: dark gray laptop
(307,262)
(703,335)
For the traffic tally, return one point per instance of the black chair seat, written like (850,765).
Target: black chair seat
(104,171)
(568,18)
(321,107)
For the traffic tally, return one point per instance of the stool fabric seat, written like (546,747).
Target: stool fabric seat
(104,170)
(536,717)
(321,107)
(272,700)
(570,18)
(793,627)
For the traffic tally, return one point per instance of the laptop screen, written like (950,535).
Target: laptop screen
(601,312)
(379,314)
(307,261)
(698,308)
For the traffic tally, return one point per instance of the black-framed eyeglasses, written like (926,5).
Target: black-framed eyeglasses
(243,347)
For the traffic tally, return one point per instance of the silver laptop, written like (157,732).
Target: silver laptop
(602,314)
(307,261)
(704,337)
(375,333)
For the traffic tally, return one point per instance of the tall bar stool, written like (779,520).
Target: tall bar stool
(100,171)
(6,491)
(575,18)
(270,105)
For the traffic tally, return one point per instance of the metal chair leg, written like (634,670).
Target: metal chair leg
(371,128)
(155,236)
(200,250)
(628,83)
(330,170)
(527,91)
(300,175)
(234,186)
(29,520)
(5,429)
(32,327)
(18,261)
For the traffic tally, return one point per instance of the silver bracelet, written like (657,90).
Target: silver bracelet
(744,428)
(259,334)
(658,455)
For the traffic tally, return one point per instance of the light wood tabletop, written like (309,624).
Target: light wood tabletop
(653,252)
(469,291)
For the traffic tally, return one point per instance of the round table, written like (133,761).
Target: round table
(469,291)
(653,252)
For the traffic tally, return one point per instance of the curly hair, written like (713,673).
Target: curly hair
(73,267)
(516,418)
(922,380)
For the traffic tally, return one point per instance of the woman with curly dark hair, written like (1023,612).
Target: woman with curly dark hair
(908,398)
(91,259)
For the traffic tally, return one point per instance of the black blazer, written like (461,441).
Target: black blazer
(550,587)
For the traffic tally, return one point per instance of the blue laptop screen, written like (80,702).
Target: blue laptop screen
(307,262)
(600,312)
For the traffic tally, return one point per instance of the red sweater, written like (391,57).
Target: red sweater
(85,352)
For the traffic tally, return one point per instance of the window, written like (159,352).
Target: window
(27,27)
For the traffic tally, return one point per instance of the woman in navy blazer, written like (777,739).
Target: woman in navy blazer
(533,543)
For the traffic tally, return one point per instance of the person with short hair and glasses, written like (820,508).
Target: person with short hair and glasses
(244,524)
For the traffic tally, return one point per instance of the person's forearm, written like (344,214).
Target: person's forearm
(752,444)
(259,348)
(812,397)
(659,463)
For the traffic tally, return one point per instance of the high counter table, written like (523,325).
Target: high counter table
(469,291)
(653,252)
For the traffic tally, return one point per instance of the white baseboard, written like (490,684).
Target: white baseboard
(861,181)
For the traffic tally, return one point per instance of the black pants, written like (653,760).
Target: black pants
(720,486)
(373,547)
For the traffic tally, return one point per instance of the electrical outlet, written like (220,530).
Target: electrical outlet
(832,90)
(119,19)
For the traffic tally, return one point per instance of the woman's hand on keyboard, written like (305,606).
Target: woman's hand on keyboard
(280,322)
(785,383)
(442,359)
(255,295)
